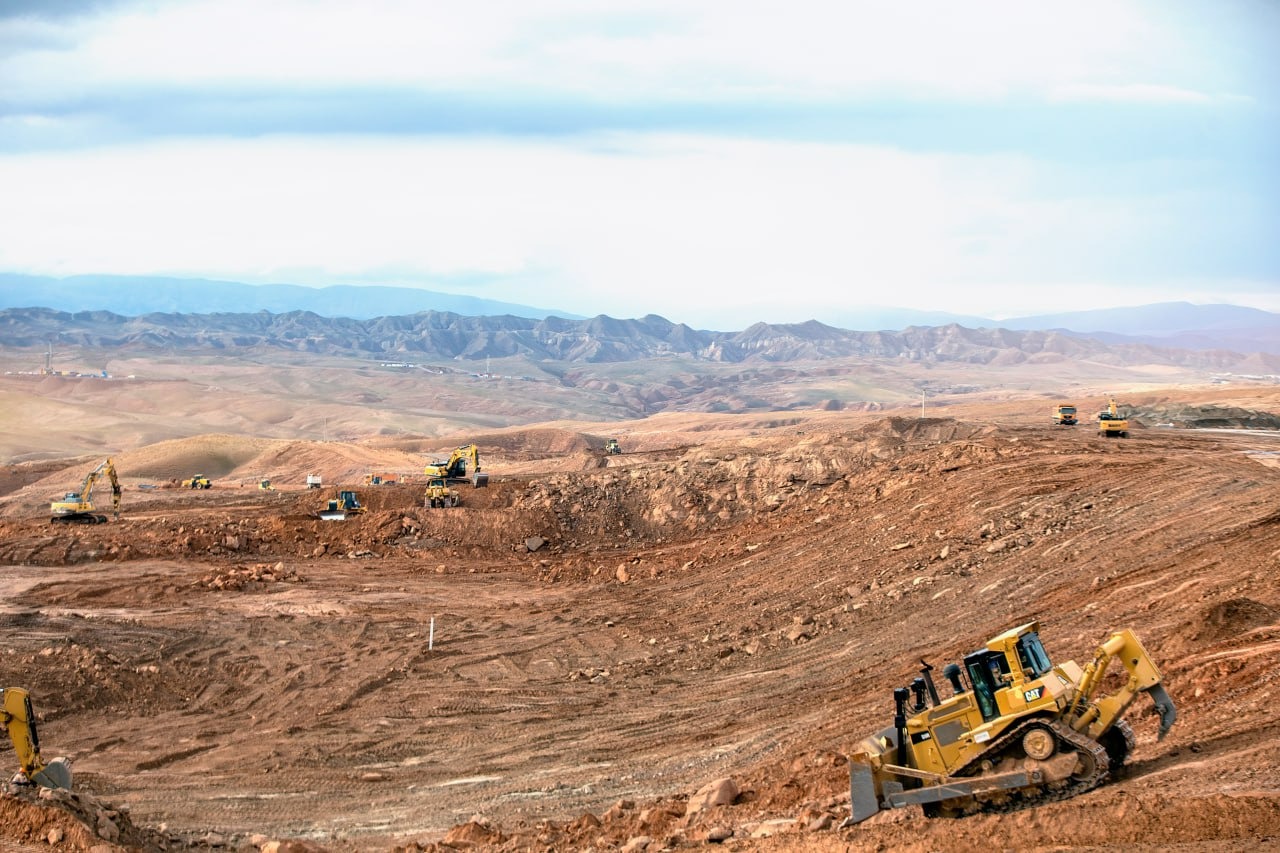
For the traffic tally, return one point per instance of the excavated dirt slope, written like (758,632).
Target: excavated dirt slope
(561,662)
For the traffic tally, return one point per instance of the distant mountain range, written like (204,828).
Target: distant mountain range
(1178,325)
(434,336)
(136,295)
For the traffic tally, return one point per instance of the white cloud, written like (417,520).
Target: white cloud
(655,48)
(674,224)
(1131,92)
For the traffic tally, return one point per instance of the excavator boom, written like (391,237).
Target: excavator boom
(20,721)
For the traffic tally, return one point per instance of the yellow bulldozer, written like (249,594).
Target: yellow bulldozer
(199,481)
(1018,730)
(77,507)
(17,717)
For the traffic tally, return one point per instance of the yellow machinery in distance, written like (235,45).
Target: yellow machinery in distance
(20,721)
(454,469)
(1022,730)
(199,481)
(1065,415)
(77,507)
(1110,423)
(612,448)
(344,505)
(438,494)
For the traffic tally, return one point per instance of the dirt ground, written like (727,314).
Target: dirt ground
(564,660)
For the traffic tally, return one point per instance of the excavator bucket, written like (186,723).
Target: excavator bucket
(480,480)
(56,774)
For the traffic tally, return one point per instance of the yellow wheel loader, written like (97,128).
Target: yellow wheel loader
(1017,731)
(199,481)
(20,721)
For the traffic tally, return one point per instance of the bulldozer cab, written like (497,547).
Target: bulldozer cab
(993,670)
(986,672)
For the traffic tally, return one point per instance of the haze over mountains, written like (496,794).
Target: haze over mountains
(398,319)
(433,336)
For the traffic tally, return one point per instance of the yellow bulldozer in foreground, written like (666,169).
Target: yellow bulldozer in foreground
(20,721)
(1018,730)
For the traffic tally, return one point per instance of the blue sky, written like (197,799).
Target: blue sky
(713,162)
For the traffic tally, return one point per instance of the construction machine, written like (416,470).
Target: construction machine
(454,469)
(265,485)
(1065,415)
(199,481)
(20,721)
(612,448)
(438,494)
(339,508)
(1110,423)
(1018,730)
(77,507)
(381,479)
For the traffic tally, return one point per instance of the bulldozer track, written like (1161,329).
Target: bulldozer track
(1022,798)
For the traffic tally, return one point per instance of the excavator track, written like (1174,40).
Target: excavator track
(1094,760)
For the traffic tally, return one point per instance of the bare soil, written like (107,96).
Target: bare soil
(562,661)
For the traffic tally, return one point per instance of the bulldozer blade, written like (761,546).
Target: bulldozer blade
(862,794)
(56,774)
(333,515)
(1164,707)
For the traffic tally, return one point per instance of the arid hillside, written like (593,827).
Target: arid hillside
(563,661)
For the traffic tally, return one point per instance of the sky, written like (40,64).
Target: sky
(716,162)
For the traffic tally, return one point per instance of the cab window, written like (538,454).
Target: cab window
(1031,654)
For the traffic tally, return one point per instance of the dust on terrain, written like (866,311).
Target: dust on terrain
(225,669)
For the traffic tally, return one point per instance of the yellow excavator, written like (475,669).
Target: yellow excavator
(20,721)
(454,469)
(1111,424)
(77,507)
(1017,731)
